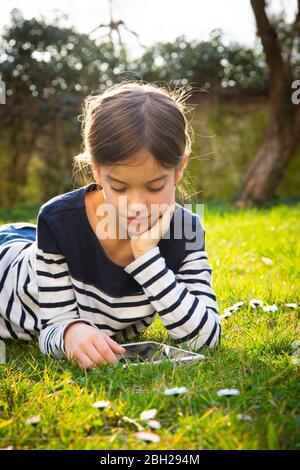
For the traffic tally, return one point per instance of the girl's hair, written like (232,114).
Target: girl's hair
(130,116)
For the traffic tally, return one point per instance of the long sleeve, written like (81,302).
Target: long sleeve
(185,301)
(134,329)
(57,302)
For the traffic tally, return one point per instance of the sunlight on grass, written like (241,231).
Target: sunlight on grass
(48,404)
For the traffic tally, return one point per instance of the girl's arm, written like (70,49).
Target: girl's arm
(58,305)
(185,301)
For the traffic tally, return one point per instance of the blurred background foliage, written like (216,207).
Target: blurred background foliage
(48,70)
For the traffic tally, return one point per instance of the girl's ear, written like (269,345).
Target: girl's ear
(179,171)
(96,172)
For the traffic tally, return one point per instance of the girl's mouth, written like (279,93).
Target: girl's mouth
(136,220)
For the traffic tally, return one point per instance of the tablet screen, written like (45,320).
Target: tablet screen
(152,351)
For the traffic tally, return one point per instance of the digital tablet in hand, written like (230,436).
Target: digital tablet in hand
(154,353)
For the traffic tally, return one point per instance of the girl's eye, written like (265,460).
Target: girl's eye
(150,189)
(119,190)
(155,190)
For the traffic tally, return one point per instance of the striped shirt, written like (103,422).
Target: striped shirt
(60,274)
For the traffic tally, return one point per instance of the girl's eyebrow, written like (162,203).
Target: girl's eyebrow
(124,182)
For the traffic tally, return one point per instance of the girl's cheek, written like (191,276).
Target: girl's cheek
(162,198)
(112,200)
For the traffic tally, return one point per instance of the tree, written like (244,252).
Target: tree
(281,45)
(47,70)
(115,27)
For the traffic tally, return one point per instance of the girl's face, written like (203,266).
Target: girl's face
(134,188)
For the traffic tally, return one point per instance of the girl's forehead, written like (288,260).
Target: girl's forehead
(139,160)
(145,172)
(140,177)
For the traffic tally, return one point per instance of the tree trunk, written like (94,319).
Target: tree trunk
(267,169)
(283,132)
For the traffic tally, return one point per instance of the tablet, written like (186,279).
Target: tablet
(154,353)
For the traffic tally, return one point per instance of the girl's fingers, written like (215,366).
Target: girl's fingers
(157,230)
(84,361)
(165,220)
(105,349)
(94,354)
(116,347)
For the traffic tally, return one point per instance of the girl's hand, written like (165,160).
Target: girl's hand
(141,243)
(89,347)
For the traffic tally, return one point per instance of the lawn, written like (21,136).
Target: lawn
(255,255)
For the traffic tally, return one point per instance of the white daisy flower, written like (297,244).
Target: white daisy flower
(270,308)
(101,404)
(244,417)
(154,424)
(266,261)
(239,304)
(255,303)
(33,420)
(147,436)
(175,391)
(295,344)
(2,352)
(296,359)
(228,392)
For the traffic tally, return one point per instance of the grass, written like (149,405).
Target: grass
(254,356)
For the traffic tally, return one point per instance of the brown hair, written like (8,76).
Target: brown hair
(130,116)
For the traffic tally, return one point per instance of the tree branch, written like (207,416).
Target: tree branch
(295,34)
(271,46)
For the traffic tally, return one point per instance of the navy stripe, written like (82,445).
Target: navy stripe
(86,308)
(197,329)
(186,317)
(51,261)
(146,264)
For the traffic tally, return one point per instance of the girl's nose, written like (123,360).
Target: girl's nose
(137,209)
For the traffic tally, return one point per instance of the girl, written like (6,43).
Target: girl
(80,291)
